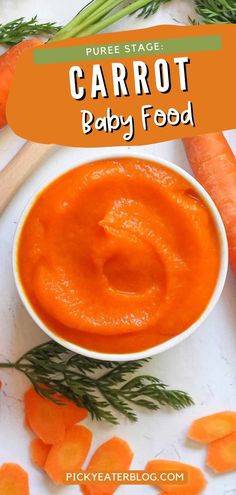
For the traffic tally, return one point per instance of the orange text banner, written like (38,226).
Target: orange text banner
(137,87)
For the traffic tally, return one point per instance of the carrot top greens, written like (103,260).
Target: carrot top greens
(216,11)
(16,31)
(102,387)
(100,14)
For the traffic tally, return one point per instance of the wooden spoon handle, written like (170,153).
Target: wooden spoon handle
(19,168)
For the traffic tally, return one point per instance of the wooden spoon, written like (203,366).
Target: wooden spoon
(19,168)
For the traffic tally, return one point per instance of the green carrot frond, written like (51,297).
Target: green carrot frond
(16,31)
(105,388)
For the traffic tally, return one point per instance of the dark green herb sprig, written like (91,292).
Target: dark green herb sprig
(216,11)
(151,8)
(101,386)
(15,31)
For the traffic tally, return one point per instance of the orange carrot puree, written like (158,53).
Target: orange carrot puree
(119,255)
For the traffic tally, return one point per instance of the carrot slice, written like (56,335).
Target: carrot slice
(210,428)
(39,452)
(194,485)
(44,418)
(13,480)
(69,454)
(113,455)
(214,165)
(221,456)
(72,414)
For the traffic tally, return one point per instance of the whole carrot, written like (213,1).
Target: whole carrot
(214,165)
(8,62)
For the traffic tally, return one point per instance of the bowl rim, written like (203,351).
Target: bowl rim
(149,352)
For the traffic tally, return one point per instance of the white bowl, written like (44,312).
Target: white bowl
(174,340)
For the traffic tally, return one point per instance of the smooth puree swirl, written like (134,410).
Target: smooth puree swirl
(119,254)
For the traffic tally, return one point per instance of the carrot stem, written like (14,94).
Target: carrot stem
(7,365)
(85,23)
(100,26)
(98,15)
(69,30)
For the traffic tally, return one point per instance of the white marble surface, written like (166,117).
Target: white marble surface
(203,365)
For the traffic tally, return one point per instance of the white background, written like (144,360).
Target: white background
(204,365)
